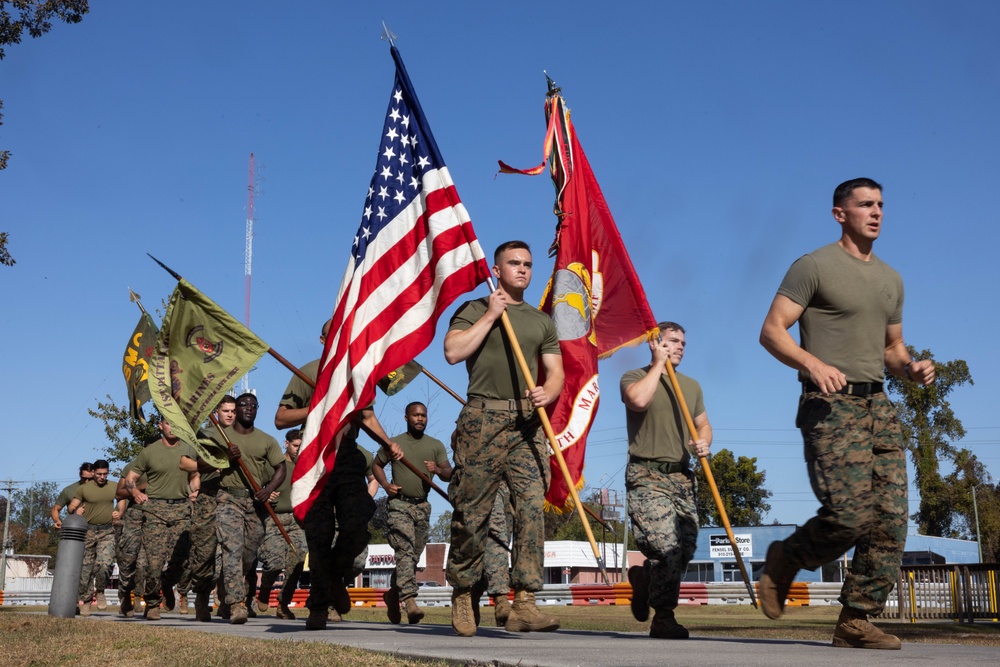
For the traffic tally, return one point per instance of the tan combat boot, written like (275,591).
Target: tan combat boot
(525,616)
(125,605)
(182,604)
(854,631)
(391,599)
(202,609)
(284,612)
(413,612)
(238,614)
(775,581)
(462,619)
(501,609)
(102,602)
(316,619)
(152,613)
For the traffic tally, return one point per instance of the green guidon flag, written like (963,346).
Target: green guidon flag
(202,351)
(135,364)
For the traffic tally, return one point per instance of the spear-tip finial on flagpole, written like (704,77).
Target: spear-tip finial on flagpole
(553,88)
(165,267)
(134,298)
(388,35)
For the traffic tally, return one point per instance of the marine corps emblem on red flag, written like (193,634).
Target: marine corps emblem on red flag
(594,295)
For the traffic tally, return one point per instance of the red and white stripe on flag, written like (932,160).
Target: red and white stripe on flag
(415,252)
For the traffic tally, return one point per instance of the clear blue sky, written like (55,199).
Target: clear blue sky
(717,131)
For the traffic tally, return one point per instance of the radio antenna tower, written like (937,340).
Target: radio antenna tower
(248,261)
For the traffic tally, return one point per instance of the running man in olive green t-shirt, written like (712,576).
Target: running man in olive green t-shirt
(100,509)
(409,510)
(499,439)
(849,307)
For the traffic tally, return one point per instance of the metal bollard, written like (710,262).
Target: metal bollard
(69,563)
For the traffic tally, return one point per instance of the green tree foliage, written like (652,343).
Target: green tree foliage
(930,426)
(125,434)
(741,487)
(31,530)
(441,530)
(35,17)
(970,476)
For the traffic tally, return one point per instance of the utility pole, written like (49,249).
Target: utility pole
(975,511)
(248,261)
(6,525)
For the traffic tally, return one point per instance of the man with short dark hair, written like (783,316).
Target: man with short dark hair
(499,440)
(409,514)
(199,568)
(66,495)
(659,480)
(848,304)
(98,501)
(165,507)
(275,554)
(239,514)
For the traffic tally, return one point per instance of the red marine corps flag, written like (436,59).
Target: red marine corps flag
(594,295)
(414,253)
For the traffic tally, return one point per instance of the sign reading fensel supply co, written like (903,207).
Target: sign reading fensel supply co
(719,546)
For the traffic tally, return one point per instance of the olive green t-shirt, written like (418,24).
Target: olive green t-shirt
(660,433)
(284,502)
(416,450)
(259,451)
(99,501)
(493,369)
(848,305)
(67,494)
(161,466)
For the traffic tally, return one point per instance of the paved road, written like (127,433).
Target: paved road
(569,648)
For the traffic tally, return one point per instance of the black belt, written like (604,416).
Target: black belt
(99,526)
(666,467)
(170,501)
(410,499)
(856,389)
(238,493)
(502,404)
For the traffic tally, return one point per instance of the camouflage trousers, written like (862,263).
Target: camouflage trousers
(336,526)
(664,512)
(494,448)
(857,469)
(275,555)
(163,523)
(129,552)
(409,524)
(98,559)
(239,526)
(496,560)
(197,571)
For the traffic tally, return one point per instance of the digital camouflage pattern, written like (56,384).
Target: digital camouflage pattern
(409,525)
(664,517)
(239,527)
(162,526)
(496,560)
(129,553)
(99,558)
(857,469)
(336,525)
(493,448)
(198,570)
(275,555)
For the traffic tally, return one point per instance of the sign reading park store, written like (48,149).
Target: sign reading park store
(719,546)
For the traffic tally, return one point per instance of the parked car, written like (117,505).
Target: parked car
(428,584)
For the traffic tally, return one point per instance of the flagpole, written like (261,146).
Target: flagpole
(703,460)
(371,434)
(550,434)
(134,298)
(461,400)
(247,477)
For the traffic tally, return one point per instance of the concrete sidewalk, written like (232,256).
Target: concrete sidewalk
(569,648)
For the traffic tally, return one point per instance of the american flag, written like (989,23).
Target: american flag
(414,253)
